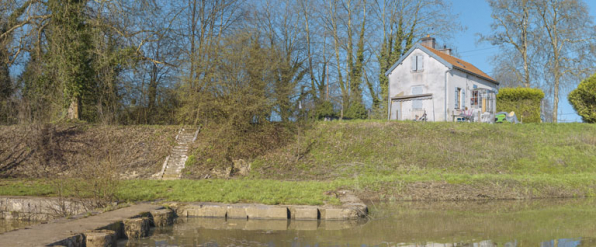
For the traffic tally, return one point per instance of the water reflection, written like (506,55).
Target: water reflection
(552,223)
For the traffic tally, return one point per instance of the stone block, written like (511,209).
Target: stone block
(100,238)
(236,212)
(162,217)
(360,208)
(207,210)
(267,212)
(117,227)
(136,227)
(304,213)
(339,214)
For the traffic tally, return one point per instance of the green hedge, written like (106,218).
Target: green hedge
(583,99)
(525,102)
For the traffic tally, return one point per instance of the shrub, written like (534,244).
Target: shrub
(356,111)
(583,99)
(525,102)
(324,109)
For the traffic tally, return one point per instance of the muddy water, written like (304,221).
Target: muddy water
(502,223)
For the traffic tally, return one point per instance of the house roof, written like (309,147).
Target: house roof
(450,61)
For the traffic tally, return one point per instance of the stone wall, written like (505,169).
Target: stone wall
(39,208)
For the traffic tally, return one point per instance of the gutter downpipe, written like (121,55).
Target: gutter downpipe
(388,97)
(445,106)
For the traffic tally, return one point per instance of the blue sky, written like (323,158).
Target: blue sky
(475,15)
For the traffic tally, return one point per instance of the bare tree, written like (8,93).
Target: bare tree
(514,25)
(403,23)
(569,35)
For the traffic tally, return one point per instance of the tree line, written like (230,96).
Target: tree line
(245,62)
(546,44)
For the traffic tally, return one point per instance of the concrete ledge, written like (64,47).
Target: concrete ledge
(339,214)
(70,232)
(304,213)
(204,210)
(352,208)
(267,212)
(39,208)
(236,211)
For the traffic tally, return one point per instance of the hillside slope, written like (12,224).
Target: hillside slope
(413,160)
(37,151)
(345,149)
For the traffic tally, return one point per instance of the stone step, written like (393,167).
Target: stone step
(179,153)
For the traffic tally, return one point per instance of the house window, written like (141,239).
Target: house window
(417,104)
(457,97)
(418,63)
(474,99)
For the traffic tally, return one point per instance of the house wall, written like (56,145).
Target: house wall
(431,78)
(466,82)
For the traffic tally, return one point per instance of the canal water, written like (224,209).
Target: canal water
(544,223)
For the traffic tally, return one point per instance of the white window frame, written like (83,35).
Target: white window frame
(417,63)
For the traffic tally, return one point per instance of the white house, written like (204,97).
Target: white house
(429,80)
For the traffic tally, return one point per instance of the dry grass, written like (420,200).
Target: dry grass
(48,150)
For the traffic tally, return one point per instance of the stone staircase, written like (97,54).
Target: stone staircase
(175,162)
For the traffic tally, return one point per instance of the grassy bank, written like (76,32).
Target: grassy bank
(437,186)
(345,149)
(380,160)
(215,190)
(450,161)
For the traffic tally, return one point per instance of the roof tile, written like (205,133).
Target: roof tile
(461,64)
